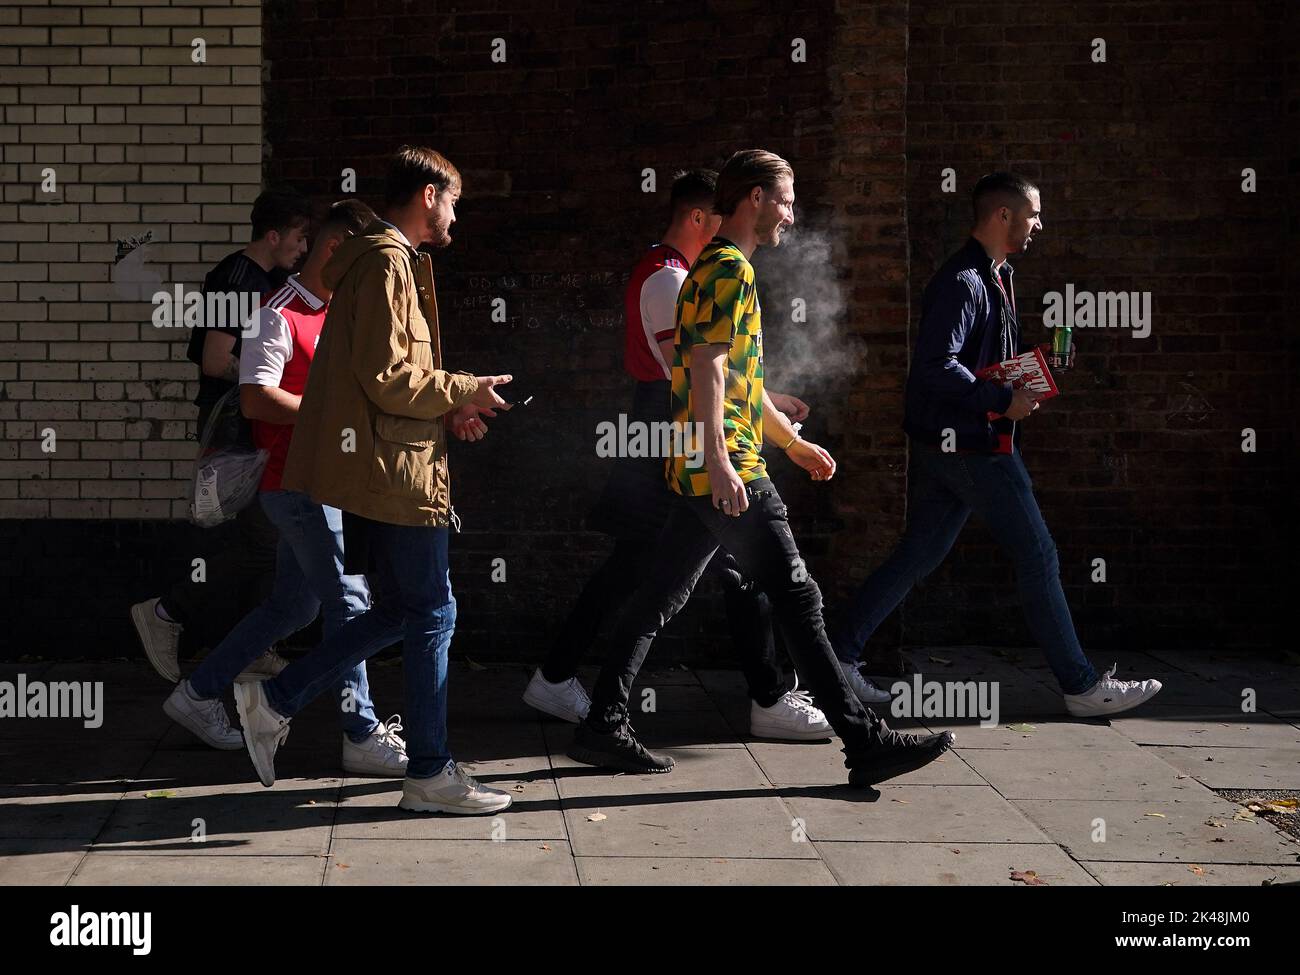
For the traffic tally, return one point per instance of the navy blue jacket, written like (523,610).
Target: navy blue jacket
(965,326)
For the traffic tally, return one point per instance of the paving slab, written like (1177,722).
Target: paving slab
(950,864)
(912,813)
(808,763)
(126,870)
(1182,874)
(291,818)
(1063,773)
(434,862)
(1058,732)
(55,811)
(702,872)
(716,802)
(130,705)
(1236,768)
(97,761)
(1134,831)
(39,863)
(1162,725)
(368,807)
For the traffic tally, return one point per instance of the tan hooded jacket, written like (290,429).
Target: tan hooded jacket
(369,437)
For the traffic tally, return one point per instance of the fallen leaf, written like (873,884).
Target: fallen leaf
(1216,824)
(1244,814)
(597,817)
(1199,871)
(1022,727)
(1180,775)
(1156,815)
(941,660)
(1028,877)
(160,794)
(545,846)
(905,802)
(474,665)
(519,788)
(342,866)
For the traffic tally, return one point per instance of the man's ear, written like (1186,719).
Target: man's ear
(273,238)
(331,244)
(756,196)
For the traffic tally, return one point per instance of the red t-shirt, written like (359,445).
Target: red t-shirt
(650,310)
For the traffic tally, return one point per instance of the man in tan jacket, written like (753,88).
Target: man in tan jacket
(371,439)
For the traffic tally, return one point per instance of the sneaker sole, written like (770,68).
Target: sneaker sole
(588,756)
(140,620)
(428,805)
(241,705)
(198,730)
(901,766)
(375,771)
(1108,712)
(773,734)
(554,711)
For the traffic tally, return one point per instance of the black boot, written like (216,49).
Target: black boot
(618,749)
(893,753)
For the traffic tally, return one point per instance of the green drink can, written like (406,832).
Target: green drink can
(1062,345)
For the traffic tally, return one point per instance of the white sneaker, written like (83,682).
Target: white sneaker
(867,692)
(1111,696)
(161,639)
(206,719)
(451,791)
(565,700)
(383,753)
(265,667)
(793,718)
(265,729)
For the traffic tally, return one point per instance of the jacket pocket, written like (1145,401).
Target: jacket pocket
(404,456)
(421,350)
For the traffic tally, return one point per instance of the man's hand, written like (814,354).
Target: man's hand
(465,422)
(729,495)
(1023,402)
(486,397)
(795,409)
(812,458)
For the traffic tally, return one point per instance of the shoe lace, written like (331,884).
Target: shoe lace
(896,739)
(215,712)
(463,777)
(1109,682)
(389,735)
(802,701)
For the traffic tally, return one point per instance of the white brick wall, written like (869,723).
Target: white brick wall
(141,139)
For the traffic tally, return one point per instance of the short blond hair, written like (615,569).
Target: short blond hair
(745,170)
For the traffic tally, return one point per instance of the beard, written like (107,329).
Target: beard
(439,234)
(771,237)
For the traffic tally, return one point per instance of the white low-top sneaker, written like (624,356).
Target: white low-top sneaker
(452,791)
(867,692)
(793,718)
(265,729)
(161,639)
(566,700)
(383,753)
(1111,696)
(206,719)
(265,667)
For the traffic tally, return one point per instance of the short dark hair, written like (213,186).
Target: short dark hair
(999,190)
(347,217)
(745,170)
(279,210)
(412,168)
(693,188)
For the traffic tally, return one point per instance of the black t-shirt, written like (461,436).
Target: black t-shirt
(236,272)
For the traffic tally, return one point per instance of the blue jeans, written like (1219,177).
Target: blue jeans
(308,579)
(410,588)
(943,490)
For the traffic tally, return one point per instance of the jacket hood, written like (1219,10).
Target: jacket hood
(377,236)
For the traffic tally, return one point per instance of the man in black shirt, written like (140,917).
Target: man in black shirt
(241,560)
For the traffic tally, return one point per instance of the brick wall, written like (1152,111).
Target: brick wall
(1140,161)
(140,139)
(1136,158)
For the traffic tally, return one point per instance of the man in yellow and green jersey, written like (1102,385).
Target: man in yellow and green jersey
(726,500)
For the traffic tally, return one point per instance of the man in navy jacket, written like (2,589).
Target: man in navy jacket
(964,454)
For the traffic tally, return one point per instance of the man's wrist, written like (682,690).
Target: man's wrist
(795,438)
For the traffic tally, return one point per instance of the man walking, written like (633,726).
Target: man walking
(371,440)
(636,501)
(728,500)
(309,576)
(964,453)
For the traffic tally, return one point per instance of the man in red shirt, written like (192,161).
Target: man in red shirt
(309,561)
(636,501)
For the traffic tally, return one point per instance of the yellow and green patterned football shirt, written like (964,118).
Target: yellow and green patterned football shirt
(718,305)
